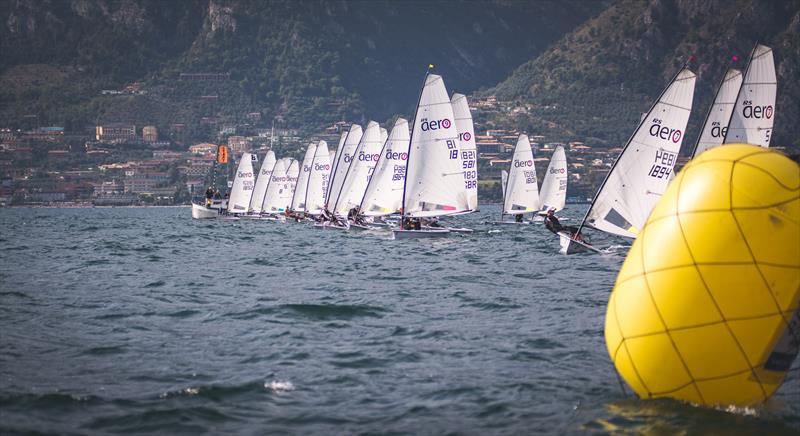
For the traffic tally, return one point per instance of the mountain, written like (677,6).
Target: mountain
(307,63)
(596,81)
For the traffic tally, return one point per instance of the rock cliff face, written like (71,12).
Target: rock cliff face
(607,71)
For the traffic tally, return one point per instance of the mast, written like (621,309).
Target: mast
(410,141)
(738,94)
(708,114)
(627,144)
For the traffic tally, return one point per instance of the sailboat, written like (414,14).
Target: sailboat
(213,207)
(262,182)
(434,184)
(318,180)
(716,123)
(384,193)
(298,203)
(243,184)
(754,112)
(553,195)
(272,200)
(467,148)
(344,157)
(521,192)
(358,174)
(642,170)
(287,190)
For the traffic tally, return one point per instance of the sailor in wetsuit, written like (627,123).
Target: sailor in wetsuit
(552,224)
(209,196)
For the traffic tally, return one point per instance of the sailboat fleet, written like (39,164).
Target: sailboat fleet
(426,168)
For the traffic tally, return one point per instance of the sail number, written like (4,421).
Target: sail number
(451,145)
(662,166)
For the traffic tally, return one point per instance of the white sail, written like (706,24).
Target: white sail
(299,198)
(262,181)
(384,195)
(642,171)
(243,184)
(554,187)
(318,180)
(287,190)
(467,148)
(277,181)
(716,122)
(384,135)
(344,157)
(358,174)
(522,189)
(434,179)
(754,112)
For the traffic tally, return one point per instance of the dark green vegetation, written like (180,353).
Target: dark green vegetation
(587,68)
(604,74)
(307,63)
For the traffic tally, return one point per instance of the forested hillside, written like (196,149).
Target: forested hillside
(596,81)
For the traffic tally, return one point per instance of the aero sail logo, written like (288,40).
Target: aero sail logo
(426,125)
(758,112)
(364,157)
(523,163)
(395,155)
(465,137)
(664,132)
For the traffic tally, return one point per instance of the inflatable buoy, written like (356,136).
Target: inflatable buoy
(706,307)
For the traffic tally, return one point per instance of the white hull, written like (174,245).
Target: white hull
(460,230)
(200,212)
(571,246)
(512,223)
(329,226)
(420,234)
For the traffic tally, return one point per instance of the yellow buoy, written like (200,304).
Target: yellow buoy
(706,307)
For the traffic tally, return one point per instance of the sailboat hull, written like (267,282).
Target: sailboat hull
(571,246)
(512,223)
(420,234)
(200,212)
(329,226)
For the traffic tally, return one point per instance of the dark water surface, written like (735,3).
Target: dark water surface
(146,321)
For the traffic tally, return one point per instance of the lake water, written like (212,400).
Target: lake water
(146,321)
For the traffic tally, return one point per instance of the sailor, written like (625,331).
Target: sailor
(552,223)
(209,196)
(217,195)
(518,218)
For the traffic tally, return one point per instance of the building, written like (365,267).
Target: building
(145,181)
(108,188)
(238,144)
(150,134)
(115,132)
(203,148)
(168,155)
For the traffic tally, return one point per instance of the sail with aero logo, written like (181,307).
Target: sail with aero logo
(754,113)
(642,171)
(262,181)
(716,123)
(332,157)
(384,195)
(243,184)
(344,157)
(359,172)
(277,180)
(522,189)
(467,148)
(384,135)
(299,197)
(318,180)
(287,190)
(434,183)
(553,195)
